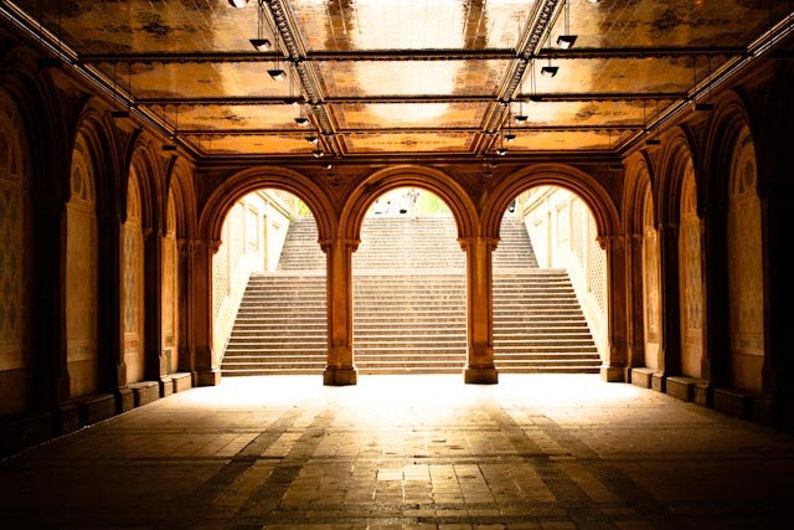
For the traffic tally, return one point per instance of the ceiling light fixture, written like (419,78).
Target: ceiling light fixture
(654,140)
(313,139)
(549,70)
(566,42)
(318,153)
(277,73)
(118,113)
(301,120)
(510,135)
(239,4)
(260,43)
(567,39)
(703,106)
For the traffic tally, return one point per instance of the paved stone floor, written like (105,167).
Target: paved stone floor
(534,451)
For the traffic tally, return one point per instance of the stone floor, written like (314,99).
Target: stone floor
(534,451)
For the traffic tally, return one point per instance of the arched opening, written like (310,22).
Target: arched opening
(132,284)
(549,285)
(651,274)
(82,284)
(745,269)
(269,288)
(691,278)
(409,278)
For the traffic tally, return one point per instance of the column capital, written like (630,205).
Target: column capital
(612,242)
(350,243)
(469,242)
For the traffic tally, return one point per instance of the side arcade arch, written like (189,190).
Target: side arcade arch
(214,210)
(206,362)
(605,214)
(593,193)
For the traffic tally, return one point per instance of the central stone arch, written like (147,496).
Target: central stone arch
(429,179)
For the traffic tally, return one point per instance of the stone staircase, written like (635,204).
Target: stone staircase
(409,313)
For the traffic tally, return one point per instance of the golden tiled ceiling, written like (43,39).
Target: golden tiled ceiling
(404,78)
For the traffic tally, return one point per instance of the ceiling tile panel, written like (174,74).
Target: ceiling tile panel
(409,115)
(587,113)
(212,80)
(248,144)
(618,75)
(148,26)
(451,142)
(682,23)
(410,78)
(238,117)
(356,25)
(529,141)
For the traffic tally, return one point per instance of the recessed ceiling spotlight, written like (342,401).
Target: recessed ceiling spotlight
(313,140)
(261,45)
(277,74)
(549,70)
(239,4)
(302,121)
(318,153)
(501,151)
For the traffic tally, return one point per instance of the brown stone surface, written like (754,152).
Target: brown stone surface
(534,451)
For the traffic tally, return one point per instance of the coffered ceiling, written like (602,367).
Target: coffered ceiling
(390,79)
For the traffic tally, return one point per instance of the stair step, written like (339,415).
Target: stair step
(409,313)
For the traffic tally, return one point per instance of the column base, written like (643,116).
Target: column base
(333,376)
(210,377)
(613,374)
(480,376)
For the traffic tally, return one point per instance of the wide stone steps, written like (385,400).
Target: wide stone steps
(409,306)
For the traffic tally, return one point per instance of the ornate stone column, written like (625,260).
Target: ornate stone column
(480,367)
(619,278)
(339,369)
(206,370)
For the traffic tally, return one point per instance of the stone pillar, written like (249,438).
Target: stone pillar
(187,351)
(716,329)
(635,308)
(480,367)
(153,267)
(206,370)
(670,348)
(619,279)
(111,330)
(51,383)
(339,369)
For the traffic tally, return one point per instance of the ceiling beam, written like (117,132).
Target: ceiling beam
(412,55)
(415,99)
